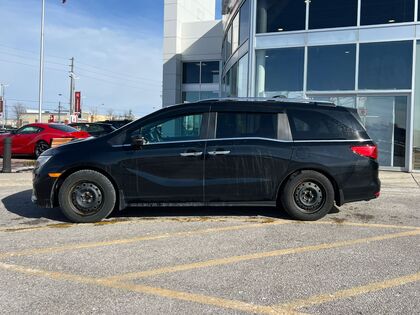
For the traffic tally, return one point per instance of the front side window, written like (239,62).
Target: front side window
(386,11)
(243,125)
(28,130)
(182,128)
(332,13)
(280,15)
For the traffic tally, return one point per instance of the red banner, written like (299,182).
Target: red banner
(77,102)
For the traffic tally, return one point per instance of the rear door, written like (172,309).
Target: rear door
(247,157)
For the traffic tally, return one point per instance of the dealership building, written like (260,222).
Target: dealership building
(363,54)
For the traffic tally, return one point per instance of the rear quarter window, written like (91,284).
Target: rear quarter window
(325,124)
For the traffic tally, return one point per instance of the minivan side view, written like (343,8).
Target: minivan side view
(302,156)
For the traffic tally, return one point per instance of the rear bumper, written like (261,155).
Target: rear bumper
(363,193)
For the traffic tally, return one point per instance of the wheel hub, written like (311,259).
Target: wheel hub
(309,196)
(87,198)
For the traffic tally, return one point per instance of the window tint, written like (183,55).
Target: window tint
(331,68)
(386,65)
(280,15)
(244,22)
(242,125)
(325,125)
(191,72)
(176,129)
(28,130)
(386,11)
(332,13)
(64,128)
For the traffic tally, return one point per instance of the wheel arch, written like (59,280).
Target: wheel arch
(120,204)
(338,194)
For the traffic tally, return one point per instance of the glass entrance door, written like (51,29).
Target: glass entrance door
(385,118)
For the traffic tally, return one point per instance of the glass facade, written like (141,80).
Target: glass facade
(356,53)
(200,80)
(331,68)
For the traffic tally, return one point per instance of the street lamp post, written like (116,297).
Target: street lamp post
(41,64)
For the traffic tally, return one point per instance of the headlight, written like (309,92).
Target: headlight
(41,161)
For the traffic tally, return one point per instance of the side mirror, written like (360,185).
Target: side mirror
(137,142)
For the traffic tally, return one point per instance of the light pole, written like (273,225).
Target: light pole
(59,108)
(3,89)
(41,64)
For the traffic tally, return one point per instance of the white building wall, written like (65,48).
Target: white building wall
(190,33)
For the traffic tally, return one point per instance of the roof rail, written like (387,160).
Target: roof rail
(279,99)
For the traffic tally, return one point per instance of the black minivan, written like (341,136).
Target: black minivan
(301,155)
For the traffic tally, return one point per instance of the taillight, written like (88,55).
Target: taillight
(370,151)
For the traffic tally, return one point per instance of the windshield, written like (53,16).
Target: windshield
(64,128)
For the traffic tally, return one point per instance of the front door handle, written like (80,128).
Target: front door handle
(226,152)
(186,154)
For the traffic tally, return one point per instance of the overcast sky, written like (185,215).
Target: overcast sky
(117,46)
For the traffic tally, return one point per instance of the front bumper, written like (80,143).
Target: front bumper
(43,191)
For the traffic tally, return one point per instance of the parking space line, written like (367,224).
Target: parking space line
(77,246)
(372,225)
(171,294)
(347,293)
(260,255)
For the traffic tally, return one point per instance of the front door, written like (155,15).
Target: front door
(169,167)
(23,139)
(247,159)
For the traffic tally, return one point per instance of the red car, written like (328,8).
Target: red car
(33,139)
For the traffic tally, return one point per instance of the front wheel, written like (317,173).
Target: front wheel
(40,147)
(87,196)
(308,196)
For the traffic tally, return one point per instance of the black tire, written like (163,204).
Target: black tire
(40,147)
(308,196)
(87,196)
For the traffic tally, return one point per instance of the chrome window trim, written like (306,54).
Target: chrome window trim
(251,138)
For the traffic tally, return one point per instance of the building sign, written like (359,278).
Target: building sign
(77,102)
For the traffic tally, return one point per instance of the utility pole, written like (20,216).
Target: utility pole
(3,88)
(59,108)
(41,65)
(71,85)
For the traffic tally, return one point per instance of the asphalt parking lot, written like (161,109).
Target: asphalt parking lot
(363,258)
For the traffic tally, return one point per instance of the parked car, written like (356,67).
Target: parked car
(304,156)
(94,129)
(117,124)
(33,139)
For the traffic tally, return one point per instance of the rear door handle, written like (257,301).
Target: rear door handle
(219,152)
(186,154)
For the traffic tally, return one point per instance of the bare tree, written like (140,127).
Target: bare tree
(110,114)
(18,111)
(129,115)
(94,113)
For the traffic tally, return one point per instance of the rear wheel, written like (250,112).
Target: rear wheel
(308,196)
(87,196)
(40,147)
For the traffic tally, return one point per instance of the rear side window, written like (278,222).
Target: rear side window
(64,128)
(242,125)
(324,124)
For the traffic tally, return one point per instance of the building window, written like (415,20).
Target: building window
(279,72)
(386,11)
(190,97)
(205,95)
(280,15)
(386,65)
(228,45)
(243,76)
(331,68)
(235,33)
(332,13)
(210,72)
(244,22)
(191,72)
(243,125)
